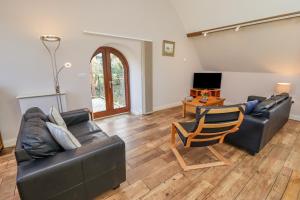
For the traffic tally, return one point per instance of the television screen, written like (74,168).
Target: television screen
(207,80)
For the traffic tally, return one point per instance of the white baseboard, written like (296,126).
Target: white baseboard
(295,117)
(10,142)
(134,112)
(167,106)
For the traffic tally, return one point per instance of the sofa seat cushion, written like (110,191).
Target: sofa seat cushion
(92,137)
(37,140)
(84,128)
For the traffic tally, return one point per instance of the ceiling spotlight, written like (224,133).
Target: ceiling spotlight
(237,28)
(205,34)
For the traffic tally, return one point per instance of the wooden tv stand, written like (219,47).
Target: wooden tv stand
(212,92)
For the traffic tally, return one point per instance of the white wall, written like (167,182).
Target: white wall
(237,86)
(24,61)
(197,15)
(253,59)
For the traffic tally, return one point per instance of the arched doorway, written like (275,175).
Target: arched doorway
(109,82)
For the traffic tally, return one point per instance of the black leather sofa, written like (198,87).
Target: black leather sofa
(52,173)
(262,124)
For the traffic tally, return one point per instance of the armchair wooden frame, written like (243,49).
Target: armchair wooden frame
(192,136)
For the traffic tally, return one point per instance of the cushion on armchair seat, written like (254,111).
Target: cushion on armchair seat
(216,118)
(210,118)
(188,126)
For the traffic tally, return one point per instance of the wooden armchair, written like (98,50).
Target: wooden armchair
(211,126)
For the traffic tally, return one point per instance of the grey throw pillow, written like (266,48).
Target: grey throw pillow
(56,118)
(63,137)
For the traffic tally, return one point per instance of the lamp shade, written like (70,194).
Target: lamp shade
(50,38)
(283,88)
(68,65)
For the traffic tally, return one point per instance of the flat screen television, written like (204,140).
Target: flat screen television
(207,80)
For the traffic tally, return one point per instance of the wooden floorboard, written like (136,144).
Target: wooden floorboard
(154,173)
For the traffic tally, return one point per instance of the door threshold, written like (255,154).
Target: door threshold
(109,116)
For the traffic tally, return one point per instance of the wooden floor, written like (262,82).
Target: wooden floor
(153,172)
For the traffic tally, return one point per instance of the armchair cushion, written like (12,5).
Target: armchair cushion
(216,118)
(210,134)
(188,127)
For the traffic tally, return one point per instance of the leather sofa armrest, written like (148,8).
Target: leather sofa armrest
(255,121)
(50,176)
(249,134)
(259,98)
(76,116)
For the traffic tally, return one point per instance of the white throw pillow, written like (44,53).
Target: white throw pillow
(56,118)
(63,136)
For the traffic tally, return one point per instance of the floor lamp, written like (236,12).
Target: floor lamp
(55,41)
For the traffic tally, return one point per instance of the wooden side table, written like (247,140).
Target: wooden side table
(190,106)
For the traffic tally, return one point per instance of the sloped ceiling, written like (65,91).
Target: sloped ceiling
(273,47)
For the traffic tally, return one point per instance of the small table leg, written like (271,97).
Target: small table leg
(183,109)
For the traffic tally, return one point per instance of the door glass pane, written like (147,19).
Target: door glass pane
(98,87)
(118,82)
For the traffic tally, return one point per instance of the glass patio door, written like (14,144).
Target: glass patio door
(109,82)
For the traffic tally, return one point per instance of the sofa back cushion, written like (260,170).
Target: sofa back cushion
(35,112)
(279,98)
(262,108)
(253,97)
(37,140)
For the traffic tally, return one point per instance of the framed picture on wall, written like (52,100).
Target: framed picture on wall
(168,48)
